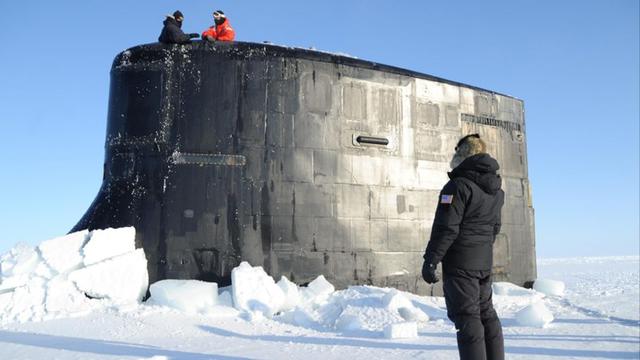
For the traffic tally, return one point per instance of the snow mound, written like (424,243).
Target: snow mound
(549,287)
(52,280)
(363,310)
(189,296)
(255,291)
(395,301)
(81,272)
(534,315)
(349,322)
(586,325)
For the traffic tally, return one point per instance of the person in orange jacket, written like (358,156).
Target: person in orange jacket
(221,31)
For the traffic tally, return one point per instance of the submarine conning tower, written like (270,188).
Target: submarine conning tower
(300,161)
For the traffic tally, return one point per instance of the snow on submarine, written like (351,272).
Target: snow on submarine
(300,161)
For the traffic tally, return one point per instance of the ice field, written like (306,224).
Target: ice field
(80,297)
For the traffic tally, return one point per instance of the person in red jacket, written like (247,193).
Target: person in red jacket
(221,31)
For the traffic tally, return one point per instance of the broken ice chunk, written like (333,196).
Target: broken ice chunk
(189,296)
(291,293)
(534,315)
(62,254)
(107,243)
(255,291)
(403,330)
(122,279)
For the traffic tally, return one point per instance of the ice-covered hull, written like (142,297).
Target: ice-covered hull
(303,162)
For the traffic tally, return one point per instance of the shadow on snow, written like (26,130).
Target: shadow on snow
(101,347)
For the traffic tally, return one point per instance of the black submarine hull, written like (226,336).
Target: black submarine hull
(299,161)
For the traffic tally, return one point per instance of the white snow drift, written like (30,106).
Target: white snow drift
(255,296)
(596,318)
(72,274)
(85,271)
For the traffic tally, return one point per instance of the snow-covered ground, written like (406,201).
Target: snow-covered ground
(595,316)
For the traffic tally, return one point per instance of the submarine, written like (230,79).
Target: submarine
(300,161)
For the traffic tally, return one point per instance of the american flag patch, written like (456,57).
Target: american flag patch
(446,199)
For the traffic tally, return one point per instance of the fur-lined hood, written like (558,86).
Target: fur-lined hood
(481,169)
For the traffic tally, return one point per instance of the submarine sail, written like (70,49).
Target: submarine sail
(299,161)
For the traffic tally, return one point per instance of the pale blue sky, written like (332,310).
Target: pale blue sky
(574,63)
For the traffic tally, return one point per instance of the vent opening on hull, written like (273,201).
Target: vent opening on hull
(372,140)
(484,120)
(208,159)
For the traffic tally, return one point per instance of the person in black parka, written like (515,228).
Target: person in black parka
(464,229)
(172,32)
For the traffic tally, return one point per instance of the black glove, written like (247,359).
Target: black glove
(194,35)
(429,273)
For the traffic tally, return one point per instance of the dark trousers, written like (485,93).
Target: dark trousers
(468,297)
